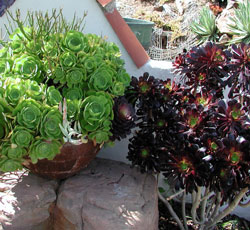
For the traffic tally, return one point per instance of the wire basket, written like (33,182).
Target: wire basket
(171,48)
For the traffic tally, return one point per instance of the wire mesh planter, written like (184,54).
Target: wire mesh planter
(171,48)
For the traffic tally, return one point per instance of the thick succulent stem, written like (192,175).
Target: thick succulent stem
(228,209)
(245,205)
(175,195)
(196,198)
(217,205)
(204,204)
(183,207)
(210,206)
(171,210)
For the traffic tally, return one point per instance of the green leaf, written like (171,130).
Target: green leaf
(74,41)
(50,128)
(53,96)
(43,149)
(161,190)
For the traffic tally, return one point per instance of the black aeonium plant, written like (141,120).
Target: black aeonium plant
(194,132)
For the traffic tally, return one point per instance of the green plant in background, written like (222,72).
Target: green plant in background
(151,16)
(175,27)
(240,24)
(57,85)
(205,28)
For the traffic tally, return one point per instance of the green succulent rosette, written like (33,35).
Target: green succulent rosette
(5,66)
(50,48)
(73,93)
(28,114)
(17,46)
(118,89)
(59,75)
(74,41)
(50,128)
(14,91)
(68,59)
(53,96)
(123,77)
(22,34)
(4,52)
(73,109)
(34,47)
(76,76)
(112,48)
(28,67)
(22,137)
(16,152)
(100,136)
(90,63)
(4,130)
(13,151)
(99,58)
(34,90)
(96,112)
(101,79)
(9,165)
(4,127)
(44,149)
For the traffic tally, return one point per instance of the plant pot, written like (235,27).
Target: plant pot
(142,30)
(70,161)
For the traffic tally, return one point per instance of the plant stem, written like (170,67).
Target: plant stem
(175,195)
(204,204)
(213,198)
(217,205)
(171,210)
(183,207)
(245,205)
(195,204)
(228,209)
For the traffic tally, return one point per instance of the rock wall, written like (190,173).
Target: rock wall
(107,195)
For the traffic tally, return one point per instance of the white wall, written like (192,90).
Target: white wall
(96,23)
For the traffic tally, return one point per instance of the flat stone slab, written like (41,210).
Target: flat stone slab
(107,195)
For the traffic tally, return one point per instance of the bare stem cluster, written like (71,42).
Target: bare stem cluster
(205,210)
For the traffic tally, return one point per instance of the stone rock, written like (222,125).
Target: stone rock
(223,20)
(25,204)
(107,195)
(182,5)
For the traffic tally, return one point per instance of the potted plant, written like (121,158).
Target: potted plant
(58,89)
(196,131)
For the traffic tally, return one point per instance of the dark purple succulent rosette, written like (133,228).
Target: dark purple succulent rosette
(187,130)
(239,66)
(124,118)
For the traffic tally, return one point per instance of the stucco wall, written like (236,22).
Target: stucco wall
(95,22)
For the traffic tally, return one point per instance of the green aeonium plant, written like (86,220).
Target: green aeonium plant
(57,85)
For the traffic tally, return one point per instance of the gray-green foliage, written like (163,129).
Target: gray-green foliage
(240,23)
(205,27)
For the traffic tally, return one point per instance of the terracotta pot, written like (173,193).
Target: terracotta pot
(70,161)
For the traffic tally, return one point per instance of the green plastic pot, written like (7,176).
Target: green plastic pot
(142,29)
